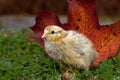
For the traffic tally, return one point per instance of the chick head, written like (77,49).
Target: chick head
(54,33)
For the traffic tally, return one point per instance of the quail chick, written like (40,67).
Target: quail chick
(69,48)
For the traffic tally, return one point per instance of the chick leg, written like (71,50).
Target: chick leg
(67,75)
(70,76)
(87,68)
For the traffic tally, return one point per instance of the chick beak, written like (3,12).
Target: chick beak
(43,36)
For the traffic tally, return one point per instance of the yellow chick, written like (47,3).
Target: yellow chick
(70,48)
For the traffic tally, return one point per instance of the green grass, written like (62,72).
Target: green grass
(23,59)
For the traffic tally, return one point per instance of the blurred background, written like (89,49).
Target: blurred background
(24,11)
(31,7)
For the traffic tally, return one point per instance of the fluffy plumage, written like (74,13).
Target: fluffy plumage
(70,48)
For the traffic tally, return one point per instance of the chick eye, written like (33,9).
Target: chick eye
(52,32)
